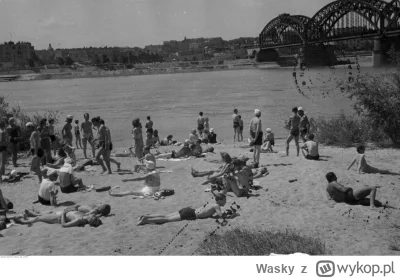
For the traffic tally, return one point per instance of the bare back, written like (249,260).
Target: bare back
(206,212)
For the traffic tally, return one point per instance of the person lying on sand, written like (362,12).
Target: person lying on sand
(188,213)
(310,148)
(185,151)
(363,166)
(66,218)
(340,193)
(152,183)
(257,172)
(103,209)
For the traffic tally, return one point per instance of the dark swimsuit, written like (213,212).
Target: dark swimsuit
(295,132)
(259,139)
(43,201)
(310,157)
(188,214)
(349,198)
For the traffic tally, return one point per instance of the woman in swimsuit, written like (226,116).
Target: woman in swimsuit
(66,218)
(137,135)
(45,142)
(236,126)
(87,132)
(67,130)
(14,133)
(294,127)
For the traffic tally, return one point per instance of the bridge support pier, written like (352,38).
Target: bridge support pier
(378,53)
(267,55)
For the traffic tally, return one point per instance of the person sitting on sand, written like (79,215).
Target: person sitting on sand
(156,138)
(47,195)
(363,166)
(193,137)
(185,151)
(70,151)
(167,141)
(188,213)
(310,148)
(68,182)
(151,180)
(147,156)
(340,193)
(61,156)
(269,141)
(66,218)
(204,136)
(197,150)
(212,137)
(35,164)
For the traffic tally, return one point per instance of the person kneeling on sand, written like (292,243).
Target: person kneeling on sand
(66,218)
(68,182)
(310,148)
(152,183)
(269,141)
(206,211)
(47,194)
(340,193)
(363,166)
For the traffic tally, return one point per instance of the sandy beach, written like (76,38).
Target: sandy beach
(301,205)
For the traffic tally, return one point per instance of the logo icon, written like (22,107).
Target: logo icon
(325,268)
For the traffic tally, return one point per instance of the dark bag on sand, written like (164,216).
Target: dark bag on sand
(167,192)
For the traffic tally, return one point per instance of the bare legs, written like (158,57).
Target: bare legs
(85,143)
(232,186)
(296,140)
(2,201)
(362,193)
(256,154)
(14,151)
(116,162)
(159,219)
(126,193)
(3,161)
(78,141)
(105,153)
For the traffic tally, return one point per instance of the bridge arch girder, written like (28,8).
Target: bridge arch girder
(324,20)
(275,28)
(392,14)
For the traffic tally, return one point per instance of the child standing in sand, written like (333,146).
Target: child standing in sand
(149,125)
(188,213)
(77,135)
(363,166)
(269,141)
(35,164)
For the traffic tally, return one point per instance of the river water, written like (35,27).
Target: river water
(174,100)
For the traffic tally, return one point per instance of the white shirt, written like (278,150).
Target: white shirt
(66,173)
(46,187)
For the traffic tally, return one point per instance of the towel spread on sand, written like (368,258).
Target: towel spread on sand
(174,159)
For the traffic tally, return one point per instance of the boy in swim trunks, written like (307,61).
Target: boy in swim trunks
(206,211)
(200,123)
(87,133)
(304,124)
(149,125)
(310,148)
(294,127)
(340,194)
(240,135)
(77,135)
(236,128)
(363,166)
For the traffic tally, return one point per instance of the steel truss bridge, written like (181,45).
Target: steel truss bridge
(339,20)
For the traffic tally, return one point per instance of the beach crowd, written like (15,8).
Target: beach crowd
(54,163)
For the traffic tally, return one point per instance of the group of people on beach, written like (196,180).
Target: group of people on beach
(235,175)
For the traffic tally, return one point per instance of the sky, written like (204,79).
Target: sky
(97,23)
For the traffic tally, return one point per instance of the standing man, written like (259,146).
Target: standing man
(257,136)
(236,126)
(3,148)
(87,134)
(14,133)
(103,145)
(67,130)
(304,124)
(200,123)
(294,127)
(149,125)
